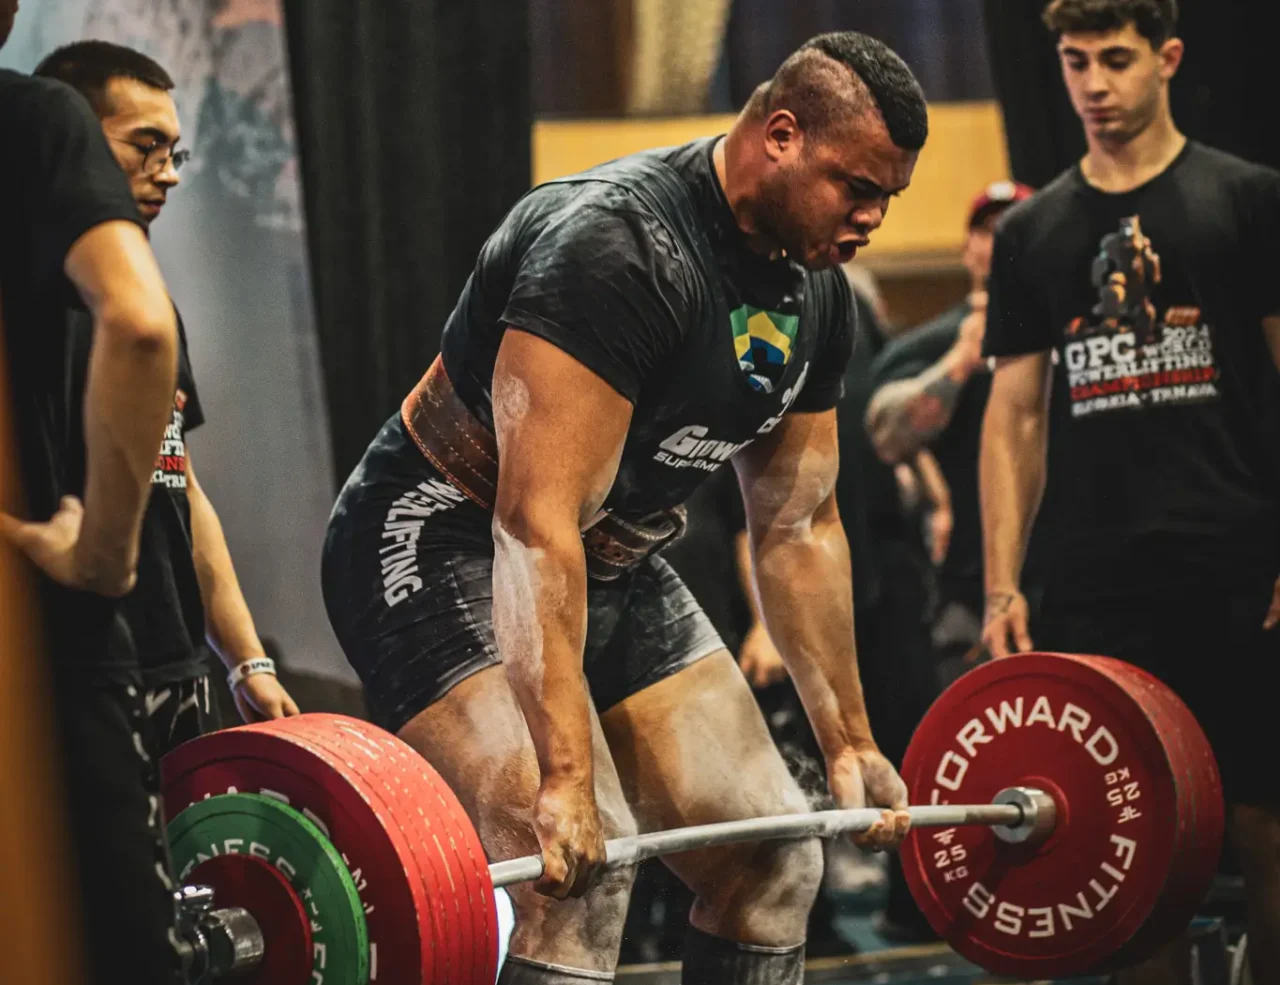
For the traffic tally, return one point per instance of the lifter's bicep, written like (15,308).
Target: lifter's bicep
(560,431)
(788,477)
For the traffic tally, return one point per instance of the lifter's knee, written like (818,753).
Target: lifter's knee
(583,934)
(763,896)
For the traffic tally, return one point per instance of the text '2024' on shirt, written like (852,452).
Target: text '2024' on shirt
(1163,439)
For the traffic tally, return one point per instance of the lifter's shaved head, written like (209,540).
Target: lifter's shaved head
(835,80)
(822,146)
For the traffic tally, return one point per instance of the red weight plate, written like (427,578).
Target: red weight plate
(436,810)
(440,930)
(263,890)
(1197,863)
(1171,914)
(1061,724)
(253,758)
(451,941)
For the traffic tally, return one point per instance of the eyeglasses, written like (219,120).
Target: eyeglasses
(157,154)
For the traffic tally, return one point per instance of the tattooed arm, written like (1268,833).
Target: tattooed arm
(905,415)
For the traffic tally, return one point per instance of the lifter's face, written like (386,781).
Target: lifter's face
(1117,81)
(143,132)
(821,199)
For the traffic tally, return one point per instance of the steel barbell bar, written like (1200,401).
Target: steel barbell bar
(1017,815)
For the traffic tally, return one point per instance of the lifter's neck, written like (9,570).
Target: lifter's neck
(1116,168)
(739,181)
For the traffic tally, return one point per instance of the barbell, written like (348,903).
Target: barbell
(1085,832)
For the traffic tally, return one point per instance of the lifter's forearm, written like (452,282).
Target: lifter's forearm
(128,404)
(803,577)
(540,622)
(1011,472)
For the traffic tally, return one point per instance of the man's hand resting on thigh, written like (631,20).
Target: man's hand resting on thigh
(864,778)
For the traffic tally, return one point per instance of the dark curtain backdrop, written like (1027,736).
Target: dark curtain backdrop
(942,40)
(414,125)
(1222,95)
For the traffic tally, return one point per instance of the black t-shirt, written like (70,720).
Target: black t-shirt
(58,180)
(956,448)
(589,266)
(1163,438)
(164,612)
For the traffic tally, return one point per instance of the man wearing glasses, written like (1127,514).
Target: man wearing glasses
(187,587)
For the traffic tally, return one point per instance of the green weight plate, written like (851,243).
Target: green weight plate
(260,826)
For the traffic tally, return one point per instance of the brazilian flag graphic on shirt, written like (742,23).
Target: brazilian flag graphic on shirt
(764,341)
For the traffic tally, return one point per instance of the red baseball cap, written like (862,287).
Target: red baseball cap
(995,198)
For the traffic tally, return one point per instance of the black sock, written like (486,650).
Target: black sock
(524,971)
(712,960)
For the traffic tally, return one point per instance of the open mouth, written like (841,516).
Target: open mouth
(846,251)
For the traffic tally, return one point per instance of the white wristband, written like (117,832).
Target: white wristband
(258,665)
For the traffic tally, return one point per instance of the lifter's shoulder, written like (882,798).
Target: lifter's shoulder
(600,226)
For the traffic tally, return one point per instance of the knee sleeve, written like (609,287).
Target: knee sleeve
(712,960)
(523,971)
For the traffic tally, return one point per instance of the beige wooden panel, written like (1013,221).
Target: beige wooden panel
(966,151)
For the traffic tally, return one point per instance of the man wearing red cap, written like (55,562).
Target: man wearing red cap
(932,386)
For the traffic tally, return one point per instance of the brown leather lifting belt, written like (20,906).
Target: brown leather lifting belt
(465,452)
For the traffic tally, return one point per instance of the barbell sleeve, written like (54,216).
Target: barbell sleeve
(1018,814)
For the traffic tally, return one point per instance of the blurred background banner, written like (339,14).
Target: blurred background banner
(231,244)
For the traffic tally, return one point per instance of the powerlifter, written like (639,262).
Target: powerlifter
(491,565)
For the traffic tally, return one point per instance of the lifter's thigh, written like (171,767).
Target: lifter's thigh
(694,749)
(476,738)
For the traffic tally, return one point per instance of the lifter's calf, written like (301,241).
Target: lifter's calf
(1255,834)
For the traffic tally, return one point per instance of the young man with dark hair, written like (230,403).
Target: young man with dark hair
(187,585)
(931,392)
(70,236)
(628,331)
(1149,270)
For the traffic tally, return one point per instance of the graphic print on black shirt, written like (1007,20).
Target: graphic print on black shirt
(1163,458)
(1127,354)
(165,611)
(171,463)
